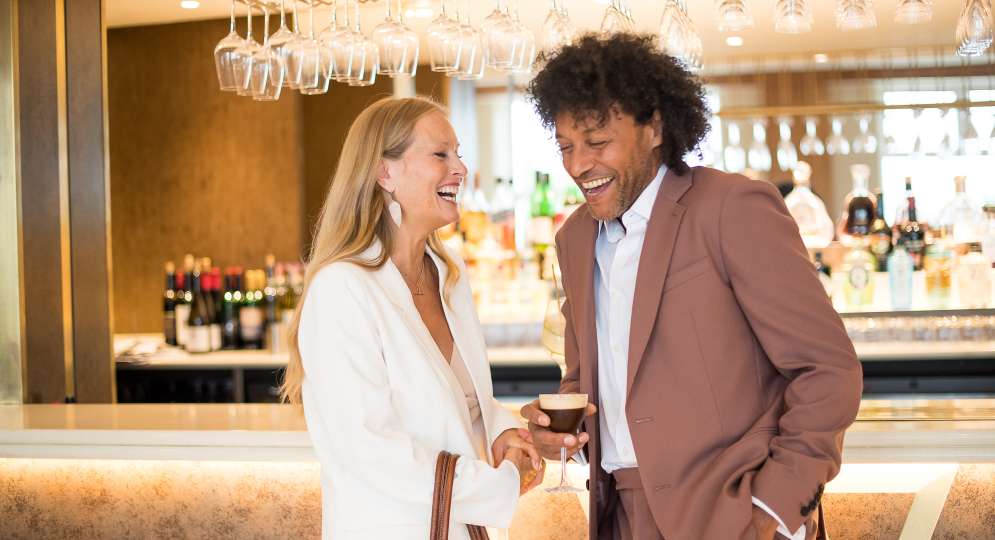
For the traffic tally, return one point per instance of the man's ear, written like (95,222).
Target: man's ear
(384,178)
(656,123)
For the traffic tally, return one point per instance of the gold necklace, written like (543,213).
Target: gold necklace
(416,290)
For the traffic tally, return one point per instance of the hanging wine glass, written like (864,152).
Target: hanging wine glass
(525,44)
(970,142)
(443,46)
(472,55)
(365,59)
(266,77)
(974,28)
(398,44)
(914,11)
(280,42)
(226,56)
(245,53)
(290,50)
(557,30)
(614,20)
(792,17)
(498,31)
(864,142)
(733,154)
(837,144)
(810,145)
(787,155)
(855,15)
(314,61)
(759,154)
(733,16)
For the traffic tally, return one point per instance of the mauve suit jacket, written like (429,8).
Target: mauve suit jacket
(741,378)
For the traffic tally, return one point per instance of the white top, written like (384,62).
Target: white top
(379,403)
(466,391)
(618,248)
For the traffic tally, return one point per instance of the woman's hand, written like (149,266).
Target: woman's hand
(528,476)
(512,445)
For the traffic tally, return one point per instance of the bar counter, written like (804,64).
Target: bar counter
(912,469)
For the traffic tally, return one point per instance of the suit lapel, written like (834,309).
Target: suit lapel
(581,297)
(654,262)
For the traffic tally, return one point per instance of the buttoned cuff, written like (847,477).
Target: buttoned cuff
(781,527)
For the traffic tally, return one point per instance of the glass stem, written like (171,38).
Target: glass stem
(563,467)
(248,34)
(232,28)
(265,27)
(283,15)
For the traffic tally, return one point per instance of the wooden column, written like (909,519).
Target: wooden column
(11,344)
(64,206)
(48,318)
(89,195)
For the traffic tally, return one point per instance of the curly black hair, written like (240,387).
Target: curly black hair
(627,70)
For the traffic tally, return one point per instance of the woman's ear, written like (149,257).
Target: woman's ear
(384,178)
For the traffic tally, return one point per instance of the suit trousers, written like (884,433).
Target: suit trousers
(629,517)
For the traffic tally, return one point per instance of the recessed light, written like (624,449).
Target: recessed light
(734,41)
(821,58)
(189,4)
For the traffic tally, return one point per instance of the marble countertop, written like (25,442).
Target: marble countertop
(887,431)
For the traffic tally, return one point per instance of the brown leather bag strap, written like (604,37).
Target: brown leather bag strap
(442,500)
(821,533)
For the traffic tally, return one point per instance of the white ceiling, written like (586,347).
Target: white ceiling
(759,41)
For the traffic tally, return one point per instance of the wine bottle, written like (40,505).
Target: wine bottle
(881,236)
(210,296)
(199,322)
(251,314)
(169,305)
(184,300)
(542,221)
(230,303)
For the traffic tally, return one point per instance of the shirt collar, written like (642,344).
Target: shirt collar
(640,210)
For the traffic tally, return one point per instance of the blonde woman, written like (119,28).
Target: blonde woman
(387,353)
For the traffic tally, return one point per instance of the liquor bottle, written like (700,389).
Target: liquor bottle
(251,314)
(901,271)
(503,213)
(988,242)
(962,220)
(169,305)
(902,214)
(974,278)
(809,211)
(912,234)
(184,300)
(474,210)
(825,274)
(880,236)
(230,303)
(210,297)
(269,290)
(858,284)
(938,264)
(199,322)
(572,200)
(542,221)
(858,208)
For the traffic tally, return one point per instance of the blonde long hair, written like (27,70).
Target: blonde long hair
(355,211)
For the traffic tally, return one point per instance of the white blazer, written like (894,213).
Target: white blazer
(379,403)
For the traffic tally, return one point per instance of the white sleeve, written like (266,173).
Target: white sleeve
(782,529)
(502,420)
(346,376)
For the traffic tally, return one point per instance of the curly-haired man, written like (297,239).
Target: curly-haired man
(721,378)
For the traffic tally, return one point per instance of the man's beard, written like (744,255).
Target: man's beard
(631,184)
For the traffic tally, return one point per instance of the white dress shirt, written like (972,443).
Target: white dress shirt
(618,248)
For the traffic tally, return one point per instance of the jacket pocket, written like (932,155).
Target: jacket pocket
(688,273)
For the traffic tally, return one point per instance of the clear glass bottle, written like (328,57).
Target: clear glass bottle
(901,273)
(988,243)
(962,220)
(809,211)
(974,278)
(938,264)
(858,280)
(858,208)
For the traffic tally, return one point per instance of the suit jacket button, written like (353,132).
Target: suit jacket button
(588,484)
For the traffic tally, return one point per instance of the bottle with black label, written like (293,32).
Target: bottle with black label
(169,305)
(230,303)
(880,237)
(251,314)
(183,299)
